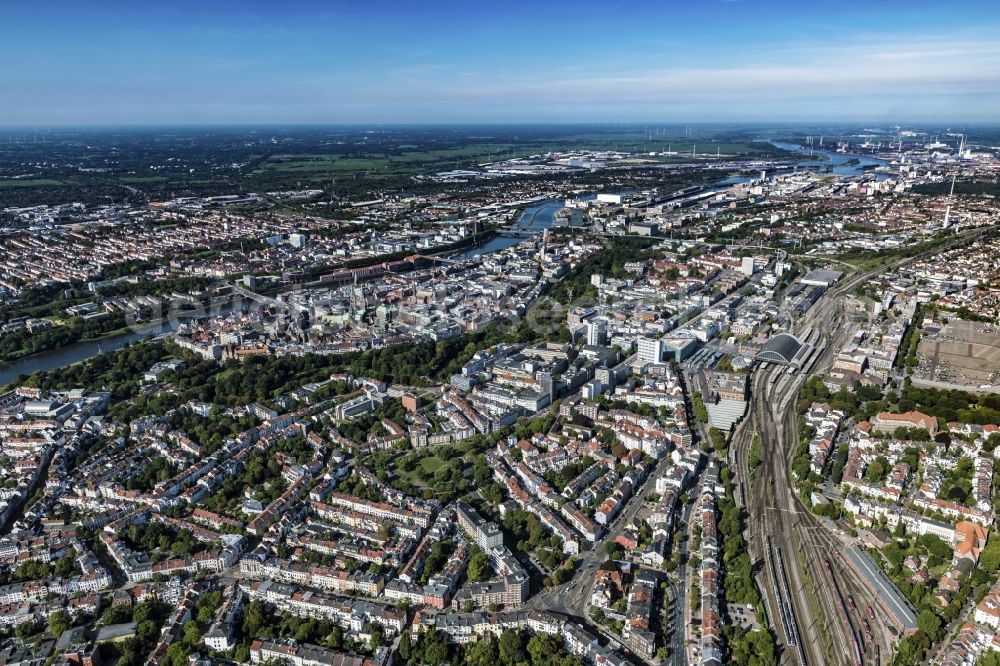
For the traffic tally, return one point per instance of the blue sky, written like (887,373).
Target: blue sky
(299,61)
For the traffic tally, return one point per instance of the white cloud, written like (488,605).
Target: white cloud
(917,65)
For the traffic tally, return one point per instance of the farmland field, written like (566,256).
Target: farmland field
(37,182)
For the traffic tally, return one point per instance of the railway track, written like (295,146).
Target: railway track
(813,629)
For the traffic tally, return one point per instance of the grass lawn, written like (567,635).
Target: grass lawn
(425,468)
(326,165)
(132,180)
(413,161)
(35,182)
(705,148)
(431,464)
(406,162)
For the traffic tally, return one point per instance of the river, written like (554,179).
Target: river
(542,216)
(836,161)
(534,218)
(81,351)
(74,353)
(495,244)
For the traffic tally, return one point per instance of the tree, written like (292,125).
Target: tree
(512,652)
(64,567)
(479,566)
(718,438)
(619,450)
(26,630)
(700,411)
(58,623)
(544,649)
(205,615)
(116,614)
(32,570)
(483,652)
(192,633)
(436,652)
(989,559)
(989,658)
(253,618)
(935,545)
(335,638)
(929,623)
(876,470)
(754,457)
(404,646)
(755,648)
(177,655)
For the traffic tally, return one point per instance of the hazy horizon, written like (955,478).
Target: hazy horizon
(374,126)
(315,63)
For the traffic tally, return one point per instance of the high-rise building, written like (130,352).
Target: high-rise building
(597,332)
(592,389)
(650,350)
(485,533)
(546,383)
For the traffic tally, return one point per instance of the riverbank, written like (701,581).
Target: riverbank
(69,355)
(82,350)
(841,164)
